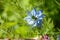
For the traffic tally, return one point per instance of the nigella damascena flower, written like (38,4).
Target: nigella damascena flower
(34,18)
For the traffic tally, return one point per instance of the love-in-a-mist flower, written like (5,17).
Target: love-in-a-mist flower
(34,18)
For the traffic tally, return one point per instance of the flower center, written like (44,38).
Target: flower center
(33,17)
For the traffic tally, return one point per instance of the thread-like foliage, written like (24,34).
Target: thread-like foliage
(13,12)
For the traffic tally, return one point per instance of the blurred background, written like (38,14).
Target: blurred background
(13,12)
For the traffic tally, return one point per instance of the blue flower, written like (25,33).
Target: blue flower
(34,18)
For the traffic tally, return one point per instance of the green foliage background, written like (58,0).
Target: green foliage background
(13,12)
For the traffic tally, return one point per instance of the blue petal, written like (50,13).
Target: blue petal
(38,22)
(29,20)
(40,17)
(58,37)
(35,23)
(39,13)
(33,12)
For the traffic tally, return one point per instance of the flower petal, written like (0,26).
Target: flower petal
(35,24)
(29,20)
(33,12)
(38,22)
(41,17)
(39,13)
(58,37)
